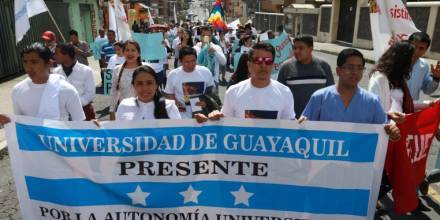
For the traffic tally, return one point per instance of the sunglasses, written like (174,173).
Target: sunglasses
(260,60)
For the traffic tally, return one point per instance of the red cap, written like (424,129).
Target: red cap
(49,36)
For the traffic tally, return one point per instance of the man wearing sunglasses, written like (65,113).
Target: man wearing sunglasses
(260,96)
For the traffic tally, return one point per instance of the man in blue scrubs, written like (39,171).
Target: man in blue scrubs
(346,101)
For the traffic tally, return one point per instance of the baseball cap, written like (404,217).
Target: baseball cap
(49,36)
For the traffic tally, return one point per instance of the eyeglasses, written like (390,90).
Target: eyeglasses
(354,68)
(260,60)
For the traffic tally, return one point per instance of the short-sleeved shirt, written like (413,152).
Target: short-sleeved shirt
(107,51)
(305,79)
(188,85)
(326,105)
(243,100)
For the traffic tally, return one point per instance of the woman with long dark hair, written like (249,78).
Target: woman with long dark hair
(148,102)
(388,80)
(242,72)
(123,74)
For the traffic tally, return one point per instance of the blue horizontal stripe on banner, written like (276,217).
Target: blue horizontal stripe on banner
(361,146)
(317,200)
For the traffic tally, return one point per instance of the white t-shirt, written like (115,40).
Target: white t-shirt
(114,61)
(129,110)
(27,96)
(83,79)
(186,85)
(243,100)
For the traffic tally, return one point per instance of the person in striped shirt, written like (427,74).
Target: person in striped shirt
(304,74)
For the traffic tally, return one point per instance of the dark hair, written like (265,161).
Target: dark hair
(244,39)
(421,37)
(119,44)
(68,49)
(395,63)
(187,51)
(42,51)
(306,39)
(280,28)
(111,31)
(73,32)
(190,42)
(270,34)
(347,53)
(160,110)
(242,71)
(261,46)
(206,28)
(125,63)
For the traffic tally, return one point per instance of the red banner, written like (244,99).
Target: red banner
(406,159)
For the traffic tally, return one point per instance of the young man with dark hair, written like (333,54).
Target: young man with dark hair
(346,101)
(108,50)
(82,50)
(189,81)
(42,94)
(423,77)
(119,57)
(305,73)
(78,75)
(259,96)
(426,78)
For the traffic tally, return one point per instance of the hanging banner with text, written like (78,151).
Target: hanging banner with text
(283,51)
(390,22)
(179,170)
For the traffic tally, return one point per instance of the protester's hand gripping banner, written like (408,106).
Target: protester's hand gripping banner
(180,170)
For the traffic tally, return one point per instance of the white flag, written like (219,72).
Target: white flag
(112,19)
(175,14)
(122,21)
(390,22)
(23,10)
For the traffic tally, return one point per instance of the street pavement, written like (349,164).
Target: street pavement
(9,205)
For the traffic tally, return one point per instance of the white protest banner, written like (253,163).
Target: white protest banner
(181,170)
(390,22)
(112,25)
(122,21)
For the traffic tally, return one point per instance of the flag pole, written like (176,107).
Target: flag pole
(56,25)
